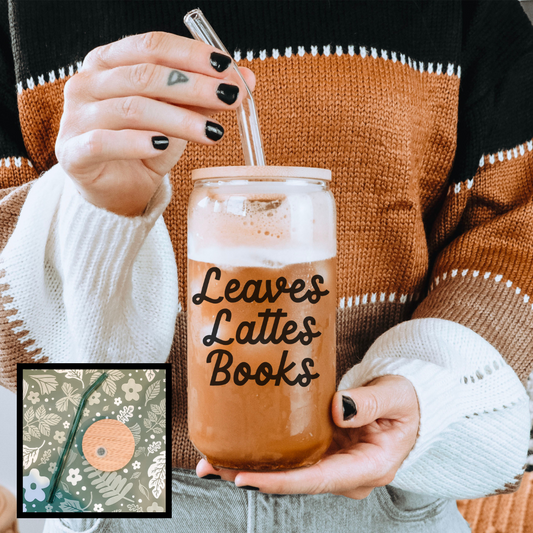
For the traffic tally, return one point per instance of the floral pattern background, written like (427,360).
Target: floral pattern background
(50,400)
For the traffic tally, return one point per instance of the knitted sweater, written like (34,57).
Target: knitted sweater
(422,111)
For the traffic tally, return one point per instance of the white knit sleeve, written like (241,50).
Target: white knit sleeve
(86,285)
(474,413)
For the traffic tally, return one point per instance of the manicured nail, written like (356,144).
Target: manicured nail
(160,142)
(219,62)
(211,476)
(227,93)
(349,409)
(248,487)
(213,131)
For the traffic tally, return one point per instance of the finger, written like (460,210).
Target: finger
(165,84)
(334,474)
(388,397)
(207,471)
(163,49)
(100,146)
(139,113)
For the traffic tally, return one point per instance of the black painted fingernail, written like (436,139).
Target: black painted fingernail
(248,487)
(160,142)
(219,62)
(227,93)
(211,476)
(349,409)
(213,131)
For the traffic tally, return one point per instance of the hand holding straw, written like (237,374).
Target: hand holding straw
(252,143)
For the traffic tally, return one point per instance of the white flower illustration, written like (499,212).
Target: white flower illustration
(74,476)
(49,508)
(33,397)
(86,412)
(52,467)
(98,508)
(118,401)
(136,465)
(33,485)
(60,437)
(24,508)
(66,424)
(131,389)
(94,398)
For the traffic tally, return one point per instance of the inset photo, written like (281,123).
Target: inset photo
(93,439)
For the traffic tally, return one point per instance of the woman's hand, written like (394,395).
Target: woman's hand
(130,110)
(367,449)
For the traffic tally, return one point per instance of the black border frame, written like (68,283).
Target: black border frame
(168,433)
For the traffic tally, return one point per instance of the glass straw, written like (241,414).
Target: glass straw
(252,143)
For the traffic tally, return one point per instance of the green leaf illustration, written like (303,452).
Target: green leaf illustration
(136,432)
(34,432)
(155,409)
(70,396)
(73,374)
(71,506)
(41,412)
(110,484)
(47,382)
(25,388)
(106,408)
(158,474)
(29,415)
(152,391)
(30,455)
(109,387)
(135,475)
(144,490)
(115,374)
(140,450)
(26,436)
(52,419)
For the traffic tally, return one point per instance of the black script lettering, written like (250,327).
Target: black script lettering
(209,340)
(307,337)
(297,286)
(243,371)
(219,368)
(242,374)
(232,286)
(264,369)
(248,338)
(201,297)
(282,371)
(305,379)
(317,294)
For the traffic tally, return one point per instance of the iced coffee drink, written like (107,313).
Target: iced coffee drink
(261,316)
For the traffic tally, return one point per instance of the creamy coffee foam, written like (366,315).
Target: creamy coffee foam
(258,257)
(261,228)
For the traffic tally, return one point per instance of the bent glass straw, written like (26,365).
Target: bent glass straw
(252,143)
(61,463)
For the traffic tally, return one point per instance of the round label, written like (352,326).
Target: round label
(108,445)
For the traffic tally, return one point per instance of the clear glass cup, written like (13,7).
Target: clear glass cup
(261,316)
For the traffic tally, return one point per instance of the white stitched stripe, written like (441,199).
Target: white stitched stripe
(372,298)
(386,55)
(487,275)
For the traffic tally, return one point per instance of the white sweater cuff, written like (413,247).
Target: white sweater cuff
(457,376)
(94,240)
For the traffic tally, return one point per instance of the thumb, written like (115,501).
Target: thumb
(386,397)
